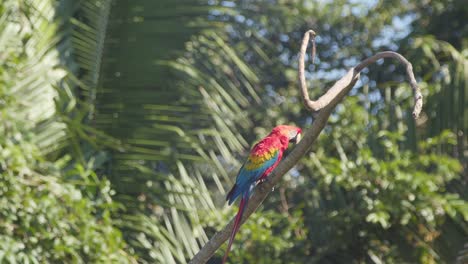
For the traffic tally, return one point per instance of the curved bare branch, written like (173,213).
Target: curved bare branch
(418,98)
(332,92)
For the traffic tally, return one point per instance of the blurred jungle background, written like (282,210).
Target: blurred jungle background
(124,123)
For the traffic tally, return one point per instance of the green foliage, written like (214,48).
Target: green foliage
(51,211)
(382,202)
(45,218)
(52,208)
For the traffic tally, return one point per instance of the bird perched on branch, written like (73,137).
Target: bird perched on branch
(263,158)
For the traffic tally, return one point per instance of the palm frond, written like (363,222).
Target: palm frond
(171,118)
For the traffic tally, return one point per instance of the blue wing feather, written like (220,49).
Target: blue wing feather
(245,178)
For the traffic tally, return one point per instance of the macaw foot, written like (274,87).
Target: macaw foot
(263,180)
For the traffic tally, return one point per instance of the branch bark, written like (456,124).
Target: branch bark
(326,103)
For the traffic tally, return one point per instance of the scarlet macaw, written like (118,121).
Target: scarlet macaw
(263,158)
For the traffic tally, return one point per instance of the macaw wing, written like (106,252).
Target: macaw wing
(255,166)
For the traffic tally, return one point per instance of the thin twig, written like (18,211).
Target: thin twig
(312,33)
(284,201)
(285,209)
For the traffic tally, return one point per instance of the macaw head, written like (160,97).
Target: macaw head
(291,132)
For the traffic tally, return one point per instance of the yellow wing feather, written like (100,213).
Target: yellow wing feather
(256,161)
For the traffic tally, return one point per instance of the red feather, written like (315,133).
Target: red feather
(271,142)
(237,222)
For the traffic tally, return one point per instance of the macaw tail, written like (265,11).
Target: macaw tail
(232,195)
(237,221)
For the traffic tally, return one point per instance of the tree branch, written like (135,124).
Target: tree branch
(418,98)
(332,92)
(325,104)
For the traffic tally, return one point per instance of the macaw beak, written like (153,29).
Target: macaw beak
(296,139)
